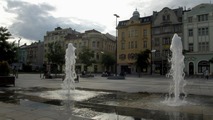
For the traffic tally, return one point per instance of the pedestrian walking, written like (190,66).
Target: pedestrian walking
(206,74)
(15,71)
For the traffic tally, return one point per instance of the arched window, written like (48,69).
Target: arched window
(202,66)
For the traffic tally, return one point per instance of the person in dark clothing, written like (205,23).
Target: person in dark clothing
(15,71)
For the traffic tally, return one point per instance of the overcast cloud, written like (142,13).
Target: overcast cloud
(146,7)
(32,19)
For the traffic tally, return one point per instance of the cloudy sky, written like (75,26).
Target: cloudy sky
(30,19)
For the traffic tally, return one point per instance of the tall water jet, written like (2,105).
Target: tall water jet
(68,84)
(176,73)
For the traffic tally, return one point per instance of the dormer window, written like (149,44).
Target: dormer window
(166,17)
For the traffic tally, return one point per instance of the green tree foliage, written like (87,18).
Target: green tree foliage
(108,60)
(56,54)
(211,60)
(4,68)
(142,60)
(7,50)
(185,51)
(86,56)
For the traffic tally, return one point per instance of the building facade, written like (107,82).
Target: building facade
(58,35)
(198,39)
(134,36)
(22,54)
(164,24)
(35,55)
(95,41)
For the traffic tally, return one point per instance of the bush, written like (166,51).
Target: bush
(4,68)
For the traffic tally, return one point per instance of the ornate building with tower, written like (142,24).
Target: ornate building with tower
(134,36)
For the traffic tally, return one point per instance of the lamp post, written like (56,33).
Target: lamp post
(18,56)
(152,63)
(116,16)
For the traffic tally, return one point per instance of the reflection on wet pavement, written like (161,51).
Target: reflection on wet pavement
(113,105)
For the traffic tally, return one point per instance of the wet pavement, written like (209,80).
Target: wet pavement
(130,99)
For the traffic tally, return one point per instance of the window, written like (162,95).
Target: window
(136,32)
(207,46)
(93,43)
(122,56)
(97,56)
(98,43)
(123,36)
(202,66)
(129,33)
(132,45)
(203,17)
(122,45)
(166,41)
(199,46)
(145,44)
(207,31)
(190,32)
(203,31)
(136,45)
(191,48)
(203,46)
(189,19)
(165,52)
(129,45)
(157,53)
(157,42)
(166,17)
(144,32)
(132,33)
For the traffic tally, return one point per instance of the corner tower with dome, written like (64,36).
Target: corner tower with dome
(134,36)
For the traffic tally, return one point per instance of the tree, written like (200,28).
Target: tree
(7,50)
(108,60)
(86,57)
(185,51)
(142,60)
(56,54)
(211,60)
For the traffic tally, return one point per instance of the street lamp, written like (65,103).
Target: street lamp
(116,16)
(152,63)
(18,56)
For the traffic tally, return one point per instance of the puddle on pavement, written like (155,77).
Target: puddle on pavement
(115,105)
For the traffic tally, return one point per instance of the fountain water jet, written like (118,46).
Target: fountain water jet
(176,73)
(69,82)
